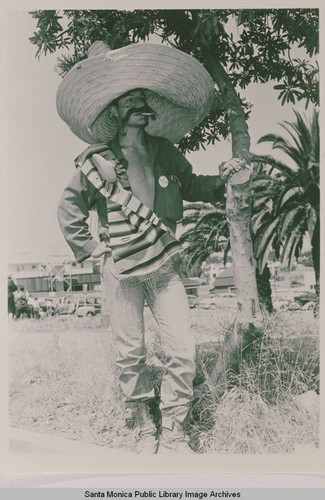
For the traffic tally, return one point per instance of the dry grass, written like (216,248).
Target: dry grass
(258,412)
(245,423)
(63,381)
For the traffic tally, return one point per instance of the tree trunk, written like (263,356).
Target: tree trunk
(248,323)
(315,244)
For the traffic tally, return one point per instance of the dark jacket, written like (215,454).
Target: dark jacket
(12,287)
(80,196)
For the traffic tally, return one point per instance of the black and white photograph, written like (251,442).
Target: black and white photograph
(162,220)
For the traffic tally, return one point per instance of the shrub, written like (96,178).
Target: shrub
(255,411)
(245,423)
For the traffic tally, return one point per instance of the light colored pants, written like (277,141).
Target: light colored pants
(166,297)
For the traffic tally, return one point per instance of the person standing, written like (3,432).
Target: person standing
(21,304)
(12,287)
(131,105)
(36,308)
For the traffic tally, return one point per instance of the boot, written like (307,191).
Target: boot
(174,440)
(138,416)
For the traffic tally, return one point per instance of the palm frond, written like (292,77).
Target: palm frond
(212,218)
(265,255)
(191,219)
(288,220)
(196,206)
(290,193)
(312,219)
(315,152)
(216,234)
(289,247)
(293,252)
(264,182)
(299,134)
(278,165)
(302,144)
(197,257)
(256,221)
(270,138)
(266,237)
(260,201)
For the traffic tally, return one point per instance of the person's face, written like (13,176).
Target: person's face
(128,109)
(133,99)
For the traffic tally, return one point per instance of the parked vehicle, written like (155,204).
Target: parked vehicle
(193,301)
(219,301)
(65,306)
(210,302)
(229,295)
(294,306)
(304,298)
(92,307)
(47,307)
(309,306)
(281,304)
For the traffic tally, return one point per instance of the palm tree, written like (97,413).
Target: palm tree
(207,232)
(285,208)
(287,197)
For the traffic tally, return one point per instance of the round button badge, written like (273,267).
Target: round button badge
(163,181)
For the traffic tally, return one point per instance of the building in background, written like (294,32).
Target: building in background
(224,281)
(56,276)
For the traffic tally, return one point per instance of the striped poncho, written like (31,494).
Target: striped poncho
(140,242)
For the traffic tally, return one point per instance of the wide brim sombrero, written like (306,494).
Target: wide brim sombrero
(178,88)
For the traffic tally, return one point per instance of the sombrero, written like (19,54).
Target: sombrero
(178,88)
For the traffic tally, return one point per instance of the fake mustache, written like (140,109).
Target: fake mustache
(145,110)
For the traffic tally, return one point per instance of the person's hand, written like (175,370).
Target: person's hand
(102,248)
(230,167)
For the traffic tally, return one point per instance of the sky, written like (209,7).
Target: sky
(40,148)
